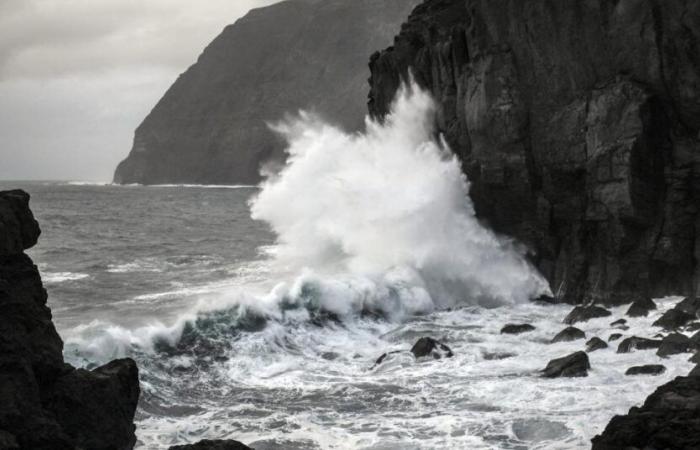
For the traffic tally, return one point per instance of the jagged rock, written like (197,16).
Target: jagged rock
(44,403)
(637,343)
(585,313)
(210,127)
(641,308)
(516,328)
(614,337)
(650,369)
(674,344)
(427,346)
(595,344)
(213,445)
(574,365)
(669,419)
(569,334)
(689,305)
(673,319)
(619,322)
(586,148)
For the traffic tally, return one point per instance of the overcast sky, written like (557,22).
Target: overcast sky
(78,76)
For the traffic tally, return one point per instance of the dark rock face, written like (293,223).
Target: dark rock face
(641,307)
(585,313)
(695,372)
(577,124)
(44,403)
(211,125)
(427,346)
(614,337)
(674,344)
(517,328)
(618,323)
(574,365)
(637,343)
(650,369)
(213,445)
(674,319)
(569,334)
(595,344)
(669,419)
(689,305)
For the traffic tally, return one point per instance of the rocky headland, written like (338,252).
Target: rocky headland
(46,404)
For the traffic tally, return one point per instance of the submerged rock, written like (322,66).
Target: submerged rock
(614,337)
(585,313)
(574,365)
(516,328)
(669,419)
(46,404)
(674,344)
(674,319)
(427,346)
(618,323)
(569,334)
(649,369)
(213,445)
(637,343)
(595,344)
(641,308)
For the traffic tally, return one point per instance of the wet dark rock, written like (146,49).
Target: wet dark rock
(618,322)
(673,319)
(649,369)
(585,148)
(516,328)
(669,419)
(210,127)
(384,356)
(696,338)
(689,305)
(491,356)
(695,372)
(427,346)
(641,308)
(569,334)
(585,313)
(546,299)
(213,445)
(674,344)
(614,337)
(695,358)
(46,404)
(637,343)
(695,326)
(595,344)
(574,365)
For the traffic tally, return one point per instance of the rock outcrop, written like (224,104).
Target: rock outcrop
(573,365)
(669,419)
(578,126)
(46,404)
(211,125)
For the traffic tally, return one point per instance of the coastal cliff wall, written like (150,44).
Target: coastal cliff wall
(577,123)
(211,126)
(46,404)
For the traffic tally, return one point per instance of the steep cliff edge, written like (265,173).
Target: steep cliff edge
(46,404)
(211,125)
(577,124)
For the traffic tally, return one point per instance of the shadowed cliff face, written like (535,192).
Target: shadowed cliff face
(577,123)
(46,404)
(211,125)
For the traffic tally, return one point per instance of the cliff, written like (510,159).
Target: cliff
(211,125)
(46,404)
(577,124)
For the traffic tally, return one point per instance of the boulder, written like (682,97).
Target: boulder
(212,445)
(427,346)
(574,365)
(637,343)
(516,328)
(692,327)
(614,337)
(641,308)
(674,344)
(695,372)
(619,322)
(649,369)
(689,305)
(669,419)
(585,313)
(595,344)
(569,334)
(674,319)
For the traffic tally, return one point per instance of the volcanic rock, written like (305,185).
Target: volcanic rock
(427,346)
(619,322)
(585,313)
(614,337)
(516,328)
(674,344)
(641,308)
(637,343)
(650,369)
(595,344)
(569,334)
(689,305)
(574,365)
(212,445)
(673,319)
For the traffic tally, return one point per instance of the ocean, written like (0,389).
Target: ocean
(258,313)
